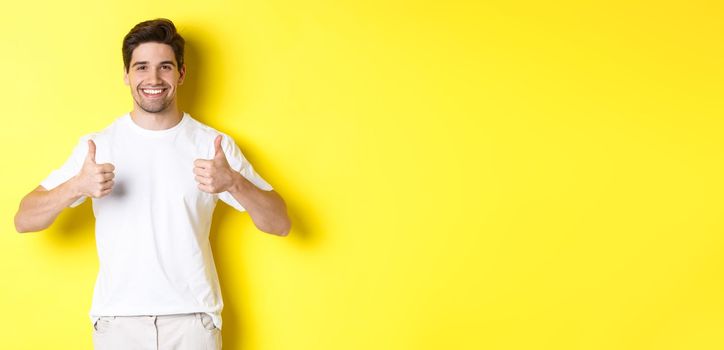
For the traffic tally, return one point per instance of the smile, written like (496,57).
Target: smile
(152,92)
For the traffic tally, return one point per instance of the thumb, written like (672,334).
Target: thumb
(91,151)
(217,148)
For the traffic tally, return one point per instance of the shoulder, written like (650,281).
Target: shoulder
(204,134)
(198,128)
(102,133)
(99,137)
(203,137)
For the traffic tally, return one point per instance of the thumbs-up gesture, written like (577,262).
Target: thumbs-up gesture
(94,180)
(214,175)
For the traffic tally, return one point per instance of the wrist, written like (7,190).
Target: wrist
(74,187)
(239,184)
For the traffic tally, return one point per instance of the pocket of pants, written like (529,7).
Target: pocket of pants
(207,322)
(102,324)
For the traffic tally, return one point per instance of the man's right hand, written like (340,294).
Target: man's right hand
(94,180)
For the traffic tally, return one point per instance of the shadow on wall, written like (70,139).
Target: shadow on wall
(191,93)
(69,225)
(197,95)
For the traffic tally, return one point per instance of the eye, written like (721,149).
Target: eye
(140,67)
(166,67)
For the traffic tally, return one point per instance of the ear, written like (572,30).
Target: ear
(125,77)
(182,74)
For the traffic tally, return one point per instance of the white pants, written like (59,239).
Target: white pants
(194,331)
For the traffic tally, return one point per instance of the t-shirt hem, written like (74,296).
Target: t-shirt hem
(215,315)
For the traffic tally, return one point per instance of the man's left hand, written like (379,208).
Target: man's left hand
(214,175)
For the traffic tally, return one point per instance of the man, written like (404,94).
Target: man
(154,176)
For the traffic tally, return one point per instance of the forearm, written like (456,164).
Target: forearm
(39,209)
(266,208)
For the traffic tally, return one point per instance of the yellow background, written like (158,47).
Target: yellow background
(460,175)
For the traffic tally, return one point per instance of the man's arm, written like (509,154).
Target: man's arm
(266,208)
(39,208)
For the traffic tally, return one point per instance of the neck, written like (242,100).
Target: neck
(157,121)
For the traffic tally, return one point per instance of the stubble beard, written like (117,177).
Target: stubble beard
(152,106)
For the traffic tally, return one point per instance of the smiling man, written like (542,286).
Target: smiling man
(155,175)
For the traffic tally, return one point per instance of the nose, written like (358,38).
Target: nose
(155,77)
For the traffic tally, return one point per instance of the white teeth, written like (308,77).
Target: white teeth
(152,92)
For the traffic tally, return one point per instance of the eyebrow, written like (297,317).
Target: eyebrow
(146,62)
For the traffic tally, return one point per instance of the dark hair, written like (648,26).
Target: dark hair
(159,30)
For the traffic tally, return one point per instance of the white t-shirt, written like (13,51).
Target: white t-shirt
(152,230)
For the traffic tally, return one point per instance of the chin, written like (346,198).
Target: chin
(153,108)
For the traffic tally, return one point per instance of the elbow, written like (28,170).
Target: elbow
(20,226)
(23,225)
(20,220)
(24,228)
(281,230)
(285,231)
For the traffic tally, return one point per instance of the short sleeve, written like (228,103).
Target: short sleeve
(239,163)
(70,168)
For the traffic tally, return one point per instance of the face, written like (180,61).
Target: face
(154,76)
